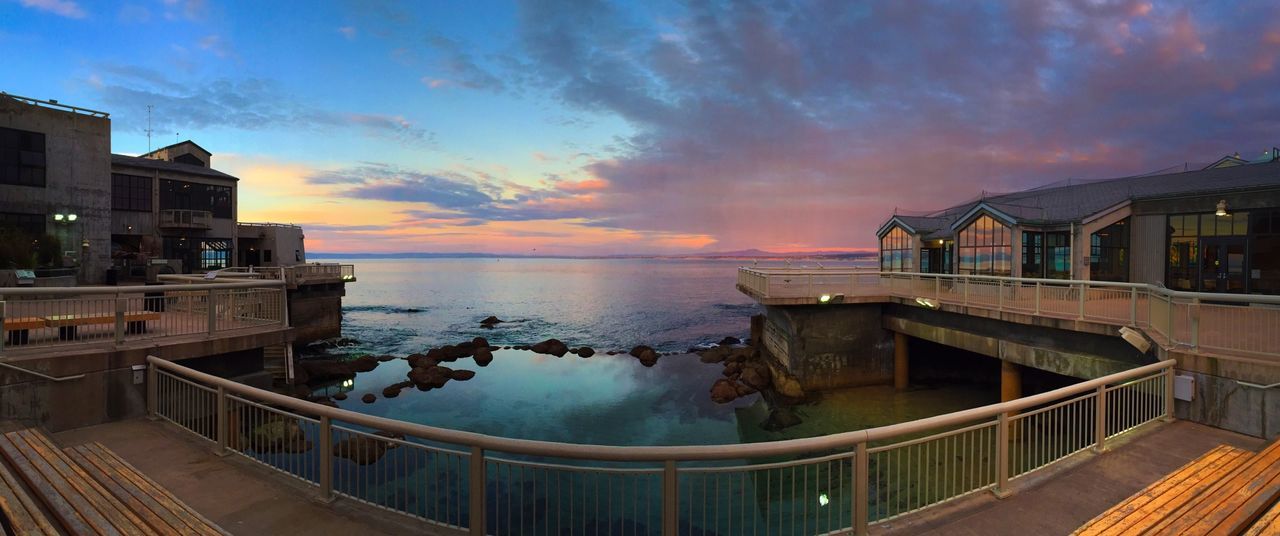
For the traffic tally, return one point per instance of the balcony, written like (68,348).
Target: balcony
(186,219)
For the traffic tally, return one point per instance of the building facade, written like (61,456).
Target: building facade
(1207,230)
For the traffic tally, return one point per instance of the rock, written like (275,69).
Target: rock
(364,450)
(733,368)
(326,402)
(321,370)
(392,391)
(723,391)
(368,398)
(483,357)
(420,360)
(586,351)
(744,390)
(297,391)
(385,358)
(611,352)
(757,377)
(781,418)
(451,353)
(648,357)
(785,384)
(364,363)
(462,375)
(635,352)
(340,396)
(490,321)
(480,342)
(506,347)
(421,375)
(714,355)
(573,351)
(552,347)
(730,340)
(277,435)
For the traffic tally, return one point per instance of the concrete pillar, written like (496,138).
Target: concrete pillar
(1010,381)
(900,362)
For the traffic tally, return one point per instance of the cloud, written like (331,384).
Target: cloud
(806,123)
(348,32)
(194,10)
(64,8)
(240,103)
(457,67)
(216,45)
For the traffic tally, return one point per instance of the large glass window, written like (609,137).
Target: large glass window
(195,196)
(22,159)
(1185,235)
(985,248)
(896,251)
(130,192)
(1109,252)
(1032,254)
(1264,260)
(215,254)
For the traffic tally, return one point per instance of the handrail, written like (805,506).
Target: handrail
(845,440)
(41,375)
(109,290)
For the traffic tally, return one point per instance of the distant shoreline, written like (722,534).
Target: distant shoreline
(709,256)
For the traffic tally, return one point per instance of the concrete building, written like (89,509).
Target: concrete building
(55,169)
(271,244)
(1207,230)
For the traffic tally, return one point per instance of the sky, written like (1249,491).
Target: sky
(664,127)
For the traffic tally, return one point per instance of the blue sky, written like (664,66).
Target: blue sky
(598,127)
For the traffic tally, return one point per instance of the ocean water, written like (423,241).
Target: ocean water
(405,306)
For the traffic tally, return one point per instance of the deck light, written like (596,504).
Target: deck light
(824,298)
(1222,208)
(823,500)
(71,217)
(58,217)
(926,302)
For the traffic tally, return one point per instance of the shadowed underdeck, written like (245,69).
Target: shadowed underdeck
(245,498)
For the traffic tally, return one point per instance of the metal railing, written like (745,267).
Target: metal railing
(484,484)
(317,272)
(49,317)
(1246,326)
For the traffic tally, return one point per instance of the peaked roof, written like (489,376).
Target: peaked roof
(1075,201)
(165,165)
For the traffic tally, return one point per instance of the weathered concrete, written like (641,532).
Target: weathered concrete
(1010,381)
(901,361)
(315,312)
(1069,353)
(1057,501)
(830,346)
(236,494)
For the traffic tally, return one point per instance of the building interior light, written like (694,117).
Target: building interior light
(1222,208)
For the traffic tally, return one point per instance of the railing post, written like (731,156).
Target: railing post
(284,305)
(221,421)
(1002,457)
(153,391)
(1168,395)
(476,516)
(1100,420)
(1037,298)
(999,294)
(670,499)
(325,453)
(937,289)
(966,291)
(212,307)
(1168,315)
(1084,289)
(861,489)
(4,335)
(120,307)
(1133,306)
(1195,323)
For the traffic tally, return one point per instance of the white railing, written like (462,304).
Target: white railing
(1246,326)
(316,272)
(55,317)
(819,485)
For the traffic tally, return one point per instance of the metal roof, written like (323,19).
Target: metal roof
(165,165)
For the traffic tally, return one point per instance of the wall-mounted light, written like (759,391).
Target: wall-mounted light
(59,217)
(71,217)
(1222,208)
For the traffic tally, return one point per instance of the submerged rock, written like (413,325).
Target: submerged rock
(392,391)
(277,435)
(723,391)
(340,396)
(462,375)
(364,450)
(368,398)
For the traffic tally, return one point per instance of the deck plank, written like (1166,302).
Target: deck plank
(147,490)
(73,512)
(1228,493)
(22,511)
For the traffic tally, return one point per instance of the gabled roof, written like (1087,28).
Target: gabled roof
(913,224)
(197,146)
(165,165)
(1076,201)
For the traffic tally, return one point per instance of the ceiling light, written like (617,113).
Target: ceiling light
(1222,208)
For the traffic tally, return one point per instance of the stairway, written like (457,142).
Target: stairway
(278,360)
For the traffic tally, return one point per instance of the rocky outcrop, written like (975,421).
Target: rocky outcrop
(755,376)
(323,370)
(479,342)
(462,375)
(727,341)
(714,355)
(490,322)
(552,347)
(392,391)
(483,357)
(723,391)
(586,351)
(364,363)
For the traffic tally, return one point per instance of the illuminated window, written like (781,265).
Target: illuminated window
(985,247)
(1109,252)
(896,251)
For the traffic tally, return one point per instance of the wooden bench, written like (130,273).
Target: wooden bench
(79,503)
(1222,492)
(20,510)
(140,493)
(18,328)
(135,322)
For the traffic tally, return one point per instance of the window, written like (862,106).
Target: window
(985,248)
(22,160)
(1032,254)
(266,256)
(1184,252)
(195,196)
(1109,252)
(215,254)
(1264,252)
(31,225)
(896,251)
(130,192)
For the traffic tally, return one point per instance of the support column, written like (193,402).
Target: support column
(901,361)
(1010,381)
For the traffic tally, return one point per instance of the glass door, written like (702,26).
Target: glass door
(1222,265)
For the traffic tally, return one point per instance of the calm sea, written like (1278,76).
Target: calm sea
(405,306)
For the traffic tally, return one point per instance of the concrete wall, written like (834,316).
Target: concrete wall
(315,312)
(1147,253)
(286,243)
(77,181)
(830,346)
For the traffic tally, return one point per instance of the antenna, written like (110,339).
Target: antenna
(149,107)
